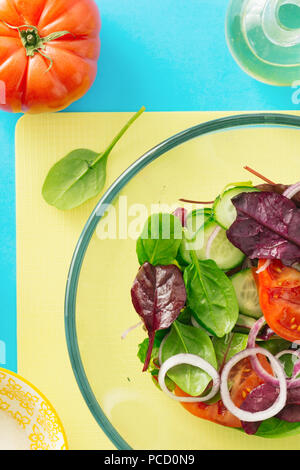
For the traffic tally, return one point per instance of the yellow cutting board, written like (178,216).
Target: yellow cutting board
(46,238)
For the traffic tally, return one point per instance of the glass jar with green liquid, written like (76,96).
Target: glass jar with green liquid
(264,39)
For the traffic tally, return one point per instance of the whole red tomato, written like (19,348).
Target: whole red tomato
(48,53)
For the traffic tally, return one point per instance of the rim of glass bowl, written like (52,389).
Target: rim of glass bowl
(241,120)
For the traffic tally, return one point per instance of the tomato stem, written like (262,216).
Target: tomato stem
(33,42)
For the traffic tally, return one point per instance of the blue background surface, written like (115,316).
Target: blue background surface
(168,55)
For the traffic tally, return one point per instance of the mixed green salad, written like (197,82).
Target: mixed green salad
(218,292)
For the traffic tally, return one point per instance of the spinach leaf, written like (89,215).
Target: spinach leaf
(228,346)
(211,296)
(185,316)
(160,240)
(274,428)
(80,175)
(188,339)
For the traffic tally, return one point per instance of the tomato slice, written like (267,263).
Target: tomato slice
(242,379)
(279,296)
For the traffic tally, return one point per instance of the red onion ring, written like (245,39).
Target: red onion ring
(292,191)
(129,330)
(257,367)
(296,369)
(273,410)
(211,239)
(264,266)
(193,360)
(288,351)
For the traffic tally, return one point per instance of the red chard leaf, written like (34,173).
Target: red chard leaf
(290,413)
(280,189)
(158,295)
(259,399)
(267,227)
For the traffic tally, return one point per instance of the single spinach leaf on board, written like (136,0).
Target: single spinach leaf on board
(160,240)
(228,346)
(211,296)
(191,340)
(80,175)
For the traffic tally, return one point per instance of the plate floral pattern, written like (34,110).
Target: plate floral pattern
(32,411)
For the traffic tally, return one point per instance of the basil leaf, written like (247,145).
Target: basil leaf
(188,339)
(228,346)
(211,296)
(160,240)
(80,175)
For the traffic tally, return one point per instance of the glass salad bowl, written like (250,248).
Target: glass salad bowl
(195,164)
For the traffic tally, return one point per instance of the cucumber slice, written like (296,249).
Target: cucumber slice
(226,255)
(247,293)
(197,218)
(193,238)
(222,251)
(224,210)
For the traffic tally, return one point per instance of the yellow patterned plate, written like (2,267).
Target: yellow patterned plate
(28,416)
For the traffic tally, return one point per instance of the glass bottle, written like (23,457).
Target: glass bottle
(264,38)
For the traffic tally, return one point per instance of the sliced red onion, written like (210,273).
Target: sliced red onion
(129,330)
(296,369)
(264,266)
(192,360)
(292,191)
(211,239)
(257,367)
(161,348)
(273,410)
(181,213)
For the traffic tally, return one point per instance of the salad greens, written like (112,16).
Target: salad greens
(228,346)
(194,306)
(158,295)
(188,339)
(160,240)
(80,175)
(211,296)
(267,226)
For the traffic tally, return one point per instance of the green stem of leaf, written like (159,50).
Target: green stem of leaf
(118,136)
